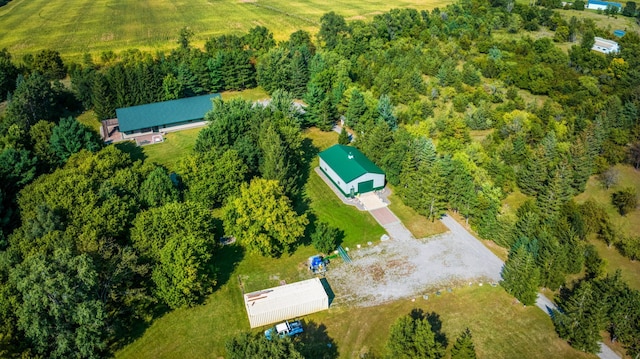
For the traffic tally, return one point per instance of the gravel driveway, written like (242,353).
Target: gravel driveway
(405,268)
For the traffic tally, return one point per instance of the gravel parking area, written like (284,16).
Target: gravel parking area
(400,269)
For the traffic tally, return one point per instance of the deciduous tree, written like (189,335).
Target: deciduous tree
(262,219)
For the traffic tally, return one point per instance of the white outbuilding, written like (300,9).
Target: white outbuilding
(350,170)
(285,302)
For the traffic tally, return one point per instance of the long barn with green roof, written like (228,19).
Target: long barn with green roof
(350,170)
(164,116)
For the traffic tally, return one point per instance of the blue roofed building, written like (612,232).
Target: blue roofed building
(158,117)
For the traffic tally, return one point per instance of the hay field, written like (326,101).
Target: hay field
(75,27)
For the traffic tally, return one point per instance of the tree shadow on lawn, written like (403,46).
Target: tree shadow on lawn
(134,151)
(315,343)
(225,261)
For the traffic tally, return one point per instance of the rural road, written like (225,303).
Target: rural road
(542,302)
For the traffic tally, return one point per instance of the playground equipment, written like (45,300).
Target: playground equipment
(318,264)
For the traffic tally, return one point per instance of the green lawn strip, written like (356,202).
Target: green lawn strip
(417,224)
(253,94)
(513,201)
(176,146)
(88,118)
(630,270)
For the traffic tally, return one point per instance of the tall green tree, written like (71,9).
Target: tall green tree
(178,239)
(60,312)
(625,200)
(70,136)
(333,28)
(413,338)
(262,219)
(158,189)
(520,276)
(212,177)
(33,100)
(582,318)
(49,64)
(8,74)
(463,348)
(385,110)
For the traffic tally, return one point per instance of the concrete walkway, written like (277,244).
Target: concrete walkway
(542,302)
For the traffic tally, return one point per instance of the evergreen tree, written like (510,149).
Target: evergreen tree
(385,110)
(356,109)
(582,318)
(102,99)
(463,347)
(70,136)
(625,200)
(8,74)
(520,275)
(33,100)
(343,138)
(413,338)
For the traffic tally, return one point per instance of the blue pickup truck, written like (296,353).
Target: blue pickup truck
(286,329)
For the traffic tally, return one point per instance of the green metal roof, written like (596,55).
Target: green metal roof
(164,113)
(348,162)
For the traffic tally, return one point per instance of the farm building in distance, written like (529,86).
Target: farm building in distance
(602,5)
(285,302)
(350,170)
(153,118)
(605,46)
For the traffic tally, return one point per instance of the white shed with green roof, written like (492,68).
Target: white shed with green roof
(350,170)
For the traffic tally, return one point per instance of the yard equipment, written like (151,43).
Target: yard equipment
(318,264)
(285,329)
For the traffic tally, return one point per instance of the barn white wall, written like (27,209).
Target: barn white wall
(296,309)
(378,181)
(334,177)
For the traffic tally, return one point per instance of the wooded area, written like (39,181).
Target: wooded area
(93,242)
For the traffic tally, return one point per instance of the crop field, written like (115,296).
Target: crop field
(75,27)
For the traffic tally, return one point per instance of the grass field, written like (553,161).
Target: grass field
(417,224)
(75,27)
(175,146)
(629,225)
(496,322)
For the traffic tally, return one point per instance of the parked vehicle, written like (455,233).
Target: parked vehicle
(286,329)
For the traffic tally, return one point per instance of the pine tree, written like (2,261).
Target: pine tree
(385,110)
(520,276)
(582,318)
(102,98)
(463,347)
(356,109)
(343,138)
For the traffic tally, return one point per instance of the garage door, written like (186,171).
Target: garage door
(366,186)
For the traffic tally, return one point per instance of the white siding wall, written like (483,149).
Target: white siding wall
(334,177)
(295,310)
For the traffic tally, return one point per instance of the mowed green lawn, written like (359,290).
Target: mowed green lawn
(75,27)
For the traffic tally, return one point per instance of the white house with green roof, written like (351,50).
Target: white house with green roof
(164,116)
(350,170)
